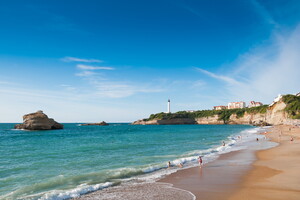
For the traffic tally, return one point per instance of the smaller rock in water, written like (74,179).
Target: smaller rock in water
(103,123)
(38,121)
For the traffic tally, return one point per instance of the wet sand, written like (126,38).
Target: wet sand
(275,175)
(140,191)
(216,180)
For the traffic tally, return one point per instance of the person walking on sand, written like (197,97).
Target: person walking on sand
(200,161)
(292,139)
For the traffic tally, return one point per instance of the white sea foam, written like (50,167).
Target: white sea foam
(81,189)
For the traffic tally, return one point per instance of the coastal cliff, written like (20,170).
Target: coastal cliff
(38,121)
(284,111)
(275,115)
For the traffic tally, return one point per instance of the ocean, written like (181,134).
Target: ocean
(60,164)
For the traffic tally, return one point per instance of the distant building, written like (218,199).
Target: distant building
(254,104)
(220,107)
(233,105)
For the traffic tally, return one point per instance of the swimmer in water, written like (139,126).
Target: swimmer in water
(169,164)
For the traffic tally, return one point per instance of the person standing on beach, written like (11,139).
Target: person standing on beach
(223,144)
(200,161)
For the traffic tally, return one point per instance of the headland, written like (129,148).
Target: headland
(285,110)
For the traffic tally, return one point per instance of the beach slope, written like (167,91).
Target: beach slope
(275,175)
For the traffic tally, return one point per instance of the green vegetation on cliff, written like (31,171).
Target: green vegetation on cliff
(292,105)
(223,115)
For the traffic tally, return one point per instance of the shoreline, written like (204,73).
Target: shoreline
(259,174)
(222,175)
(272,175)
(215,180)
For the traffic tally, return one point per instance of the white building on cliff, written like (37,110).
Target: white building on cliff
(254,104)
(233,105)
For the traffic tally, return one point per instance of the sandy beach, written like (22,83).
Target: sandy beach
(275,175)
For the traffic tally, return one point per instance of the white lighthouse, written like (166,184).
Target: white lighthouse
(169,110)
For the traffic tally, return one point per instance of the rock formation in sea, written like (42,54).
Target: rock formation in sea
(38,121)
(103,123)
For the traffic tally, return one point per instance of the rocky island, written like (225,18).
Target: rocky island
(284,111)
(38,121)
(103,123)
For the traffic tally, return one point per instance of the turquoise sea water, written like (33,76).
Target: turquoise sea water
(60,164)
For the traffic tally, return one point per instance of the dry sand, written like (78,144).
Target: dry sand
(276,173)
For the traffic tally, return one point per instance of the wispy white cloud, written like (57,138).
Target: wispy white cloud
(89,67)
(118,89)
(85,73)
(74,59)
(266,71)
(227,79)
(67,87)
(6,83)
(106,87)
(264,13)
(198,84)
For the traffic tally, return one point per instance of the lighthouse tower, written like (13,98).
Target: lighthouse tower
(169,110)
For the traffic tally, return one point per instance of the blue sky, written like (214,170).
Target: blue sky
(118,61)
